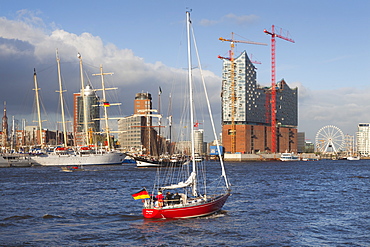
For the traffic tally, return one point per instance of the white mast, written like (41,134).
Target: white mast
(12,146)
(38,106)
(84,101)
(188,21)
(61,101)
(105,102)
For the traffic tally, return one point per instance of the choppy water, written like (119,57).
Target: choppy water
(318,203)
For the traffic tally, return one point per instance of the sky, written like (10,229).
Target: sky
(141,42)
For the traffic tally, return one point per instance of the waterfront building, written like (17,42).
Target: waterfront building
(301,142)
(199,145)
(93,115)
(252,111)
(137,133)
(130,137)
(142,103)
(363,139)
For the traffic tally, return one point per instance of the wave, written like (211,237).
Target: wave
(18,217)
(49,216)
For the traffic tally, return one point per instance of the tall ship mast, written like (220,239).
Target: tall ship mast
(65,140)
(84,102)
(105,105)
(38,107)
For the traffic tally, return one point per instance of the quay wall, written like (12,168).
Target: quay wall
(261,157)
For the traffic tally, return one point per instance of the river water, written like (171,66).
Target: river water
(313,203)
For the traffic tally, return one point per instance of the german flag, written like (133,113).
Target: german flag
(142,194)
(106,104)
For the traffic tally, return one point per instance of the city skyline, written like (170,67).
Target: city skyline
(140,42)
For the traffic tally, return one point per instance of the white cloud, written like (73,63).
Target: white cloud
(26,46)
(239,20)
(243,19)
(343,107)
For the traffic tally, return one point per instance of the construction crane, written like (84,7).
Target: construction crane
(232,79)
(273,83)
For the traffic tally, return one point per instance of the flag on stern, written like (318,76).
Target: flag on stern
(142,194)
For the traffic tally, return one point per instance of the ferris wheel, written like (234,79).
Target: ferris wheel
(329,139)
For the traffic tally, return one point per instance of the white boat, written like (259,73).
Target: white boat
(15,160)
(63,156)
(289,157)
(193,197)
(353,158)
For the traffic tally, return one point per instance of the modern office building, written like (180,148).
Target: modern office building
(252,110)
(199,145)
(92,112)
(363,139)
(301,142)
(137,133)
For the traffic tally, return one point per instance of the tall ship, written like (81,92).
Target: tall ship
(86,154)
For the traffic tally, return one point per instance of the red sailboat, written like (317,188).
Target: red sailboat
(186,189)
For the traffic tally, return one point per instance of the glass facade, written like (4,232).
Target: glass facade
(92,111)
(252,102)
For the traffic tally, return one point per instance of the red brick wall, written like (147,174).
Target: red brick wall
(261,137)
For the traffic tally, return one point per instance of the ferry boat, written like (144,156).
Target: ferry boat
(289,157)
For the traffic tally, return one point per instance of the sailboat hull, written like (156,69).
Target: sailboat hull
(187,211)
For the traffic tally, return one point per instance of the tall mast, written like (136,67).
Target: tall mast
(38,105)
(188,21)
(61,101)
(83,97)
(5,127)
(12,146)
(105,104)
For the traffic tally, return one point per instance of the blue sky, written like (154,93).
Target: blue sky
(329,61)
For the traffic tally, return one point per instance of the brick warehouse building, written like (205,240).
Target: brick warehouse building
(252,117)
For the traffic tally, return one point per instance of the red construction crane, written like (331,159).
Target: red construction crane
(233,97)
(273,82)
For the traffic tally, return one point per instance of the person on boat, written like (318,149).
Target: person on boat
(169,198)
(177,198)
(160,199)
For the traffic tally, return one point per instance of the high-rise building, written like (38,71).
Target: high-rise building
(363,139)
(199,144)
(130,135)
(92,112)
(136,131)
(142,103)
(301,142)
(252,111)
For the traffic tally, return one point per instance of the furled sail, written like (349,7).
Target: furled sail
(187,183)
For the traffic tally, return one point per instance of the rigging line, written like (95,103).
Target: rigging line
(210,113)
